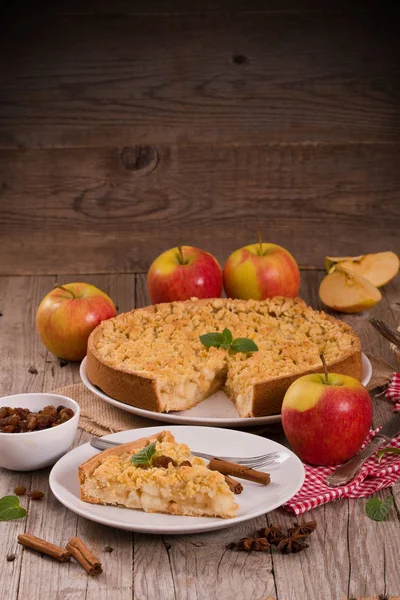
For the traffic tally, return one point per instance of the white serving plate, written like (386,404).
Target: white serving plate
(216,410)
(287,476)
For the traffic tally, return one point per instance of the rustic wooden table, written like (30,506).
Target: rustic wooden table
(349,556)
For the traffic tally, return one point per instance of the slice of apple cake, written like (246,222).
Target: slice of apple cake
(153,357)
(156,474)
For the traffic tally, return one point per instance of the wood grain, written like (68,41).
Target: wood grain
(181,7)
(100,209)
(314,77)
(20,346)
(30,575)
(349,555)
(194,567)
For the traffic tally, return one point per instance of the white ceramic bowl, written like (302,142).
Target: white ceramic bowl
(37,449)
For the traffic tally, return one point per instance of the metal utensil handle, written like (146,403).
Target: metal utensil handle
(101,444)
(349,470)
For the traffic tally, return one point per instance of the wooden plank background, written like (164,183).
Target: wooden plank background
(126,128)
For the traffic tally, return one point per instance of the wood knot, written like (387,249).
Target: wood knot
(239,59)
(139,158)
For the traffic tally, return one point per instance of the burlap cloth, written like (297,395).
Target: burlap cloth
(100,418)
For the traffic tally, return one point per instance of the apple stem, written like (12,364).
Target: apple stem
(260,242)
(322,357)
(181,257)
(61,287)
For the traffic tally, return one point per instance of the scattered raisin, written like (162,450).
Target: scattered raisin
(186,463)
(33,370)
(20,490)
(11,557)
(35,495)
(108,549)
(163,462)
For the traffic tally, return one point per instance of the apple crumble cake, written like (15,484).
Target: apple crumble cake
(153,358)
(156,474)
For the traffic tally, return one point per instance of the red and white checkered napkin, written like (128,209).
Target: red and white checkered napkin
(373,476)
(393,391)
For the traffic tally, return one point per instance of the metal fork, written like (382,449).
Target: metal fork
(388,332)
(255,462)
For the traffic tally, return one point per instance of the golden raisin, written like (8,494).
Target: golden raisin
(20,490)
(162,462)
(35,495)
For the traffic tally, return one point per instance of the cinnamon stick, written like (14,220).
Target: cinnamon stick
(235,486)
(229,468)
(35,543)
(83,555)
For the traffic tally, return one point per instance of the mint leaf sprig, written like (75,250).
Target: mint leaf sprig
(10,508)
(144,457)
(377,510)
(389,449)
(225,340)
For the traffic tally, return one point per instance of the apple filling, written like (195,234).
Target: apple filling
(162,343)
(189,488)
(187,394)
(155,499)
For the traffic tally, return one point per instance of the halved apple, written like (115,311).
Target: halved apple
(348,292)
(378,268)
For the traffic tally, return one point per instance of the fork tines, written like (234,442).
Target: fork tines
(388,332)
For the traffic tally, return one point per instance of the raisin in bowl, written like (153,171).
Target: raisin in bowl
(36,430)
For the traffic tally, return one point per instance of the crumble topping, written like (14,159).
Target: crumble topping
(163,343)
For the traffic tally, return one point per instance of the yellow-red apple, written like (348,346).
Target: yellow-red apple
(326,420)
(182,273)
(67,316)
(261,271)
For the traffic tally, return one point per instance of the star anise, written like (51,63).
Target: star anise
(292,543)
(258,544)
(274,534)
(303,528)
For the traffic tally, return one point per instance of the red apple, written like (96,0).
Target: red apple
(182,273)
(67,316)
(326,420)
(261,271)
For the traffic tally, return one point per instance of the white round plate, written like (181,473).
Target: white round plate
(287,476)
(216,410)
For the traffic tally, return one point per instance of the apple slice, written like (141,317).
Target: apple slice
(378,268)
(348,292)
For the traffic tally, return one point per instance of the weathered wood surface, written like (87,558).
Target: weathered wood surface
(349,555)
(116,209)
(200,7)
(300,77)
(127,126)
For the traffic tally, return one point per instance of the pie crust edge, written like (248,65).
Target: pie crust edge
(124,385)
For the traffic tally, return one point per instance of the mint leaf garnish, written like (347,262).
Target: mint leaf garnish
(378,510)
(211,339)
(226,337)
(10,508)
(391,449)
(243,345)
(144,456)
(225,340)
